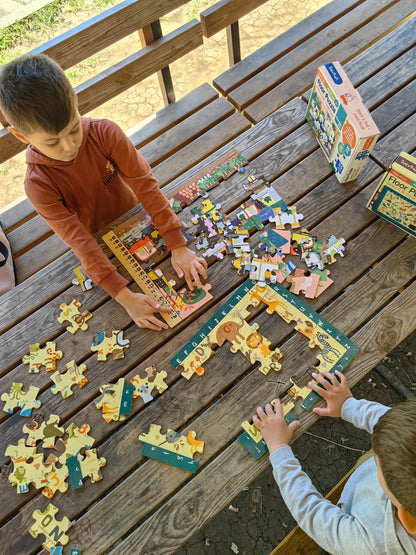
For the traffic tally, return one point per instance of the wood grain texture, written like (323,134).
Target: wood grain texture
(224,13)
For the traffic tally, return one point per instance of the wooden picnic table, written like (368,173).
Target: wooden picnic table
(144,506)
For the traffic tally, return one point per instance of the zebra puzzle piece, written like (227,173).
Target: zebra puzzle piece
(47,524)
(154,382)
(115,400)
(172,448)
(46,357)
(76,319)
(17,398)
(114,345)
(73,376)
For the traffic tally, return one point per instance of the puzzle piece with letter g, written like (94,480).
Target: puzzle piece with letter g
(24,400)
(47,524)
(38,357)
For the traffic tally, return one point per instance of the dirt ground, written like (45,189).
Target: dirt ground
(141,101)
(257,519)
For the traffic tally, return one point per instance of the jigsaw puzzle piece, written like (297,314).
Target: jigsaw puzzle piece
(114,345)
(154,382)
(73,376)
(17,398)
(42,357)
(324,281)
(302,282)
(55,478)
(76,319)
(281,218)
(81,279)
(46,431)
(53,530)
(78,439)
(84,466)
(335,246)
(115,400)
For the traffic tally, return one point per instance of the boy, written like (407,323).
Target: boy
(82,174)
(376,512)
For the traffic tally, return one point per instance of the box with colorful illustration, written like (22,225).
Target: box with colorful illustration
(342,124)
(395,197)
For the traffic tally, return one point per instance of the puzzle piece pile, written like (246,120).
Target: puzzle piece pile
(116,400)
(72,444)
(218,235)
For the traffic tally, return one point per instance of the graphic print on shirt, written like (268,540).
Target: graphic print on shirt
(110,173)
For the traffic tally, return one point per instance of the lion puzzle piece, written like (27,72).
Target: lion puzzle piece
(76,319)
(172,448)
(115,400)
(42,357)
(73,376)
(84,466)
(46,431)
(47,524)
(17,398)
(114,345)
(154,382)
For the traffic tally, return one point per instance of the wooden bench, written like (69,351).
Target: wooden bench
(271,76)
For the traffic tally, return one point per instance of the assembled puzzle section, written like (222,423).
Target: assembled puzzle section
(342,124)
(171,448)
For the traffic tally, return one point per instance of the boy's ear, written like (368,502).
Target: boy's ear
(408,520)
(18,135)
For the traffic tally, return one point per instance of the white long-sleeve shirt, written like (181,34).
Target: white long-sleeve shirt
(364,520)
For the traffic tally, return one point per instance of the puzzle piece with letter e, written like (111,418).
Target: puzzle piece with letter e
(173,448)
(154,382)
(76,319)
(38,357)
(25,473)
(113,345)
(73,376)
(24,400)
(47,524)
(115,400)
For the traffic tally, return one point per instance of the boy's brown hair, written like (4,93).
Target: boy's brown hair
(36,95)
(394,443)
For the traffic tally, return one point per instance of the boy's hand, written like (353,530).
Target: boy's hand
(186,263)
(141,309)
(273,427)
(335,392)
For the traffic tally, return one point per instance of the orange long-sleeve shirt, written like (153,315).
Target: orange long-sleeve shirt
(106,179)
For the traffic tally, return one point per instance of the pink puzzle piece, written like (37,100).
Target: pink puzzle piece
(301,282)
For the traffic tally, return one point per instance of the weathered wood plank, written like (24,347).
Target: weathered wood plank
(16,215)
(282,44)
(224,13)
(35,259)
(400,138)
(137,67)
(293,79)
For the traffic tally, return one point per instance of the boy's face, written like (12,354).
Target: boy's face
(62,146)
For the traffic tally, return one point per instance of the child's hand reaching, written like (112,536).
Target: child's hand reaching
(141,309)
(335,392)
(276,433)
(186,263)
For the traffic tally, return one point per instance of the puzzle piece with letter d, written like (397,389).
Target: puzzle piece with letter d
(38,357)
(47,524)
(172,448)
(24,400)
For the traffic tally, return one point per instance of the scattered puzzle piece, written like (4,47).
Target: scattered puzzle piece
(73,376)
(42,357)
(306,283)
(114,345)
(84,466)
(290,216)
(115,400)
(334,246)
(81,279)
(154,382)
(47,524)
(76,319)
(172,448)
(46,431)
(17,398)
(78,439)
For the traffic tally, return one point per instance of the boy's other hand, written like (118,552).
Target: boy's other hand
(276,433)
(186,263)
(335,392)
(141,309)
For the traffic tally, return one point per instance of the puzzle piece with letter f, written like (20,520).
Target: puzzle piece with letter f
(172,448)
(76,319)
(113,345)
(24,400)
(53,530)
(38,357)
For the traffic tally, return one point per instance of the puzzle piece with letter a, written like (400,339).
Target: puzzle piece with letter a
(47,524)
(76,319)
(115,400)
(46,357)
(73,376)
(154,382)
(24,400)
(114,345)
(173,448)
